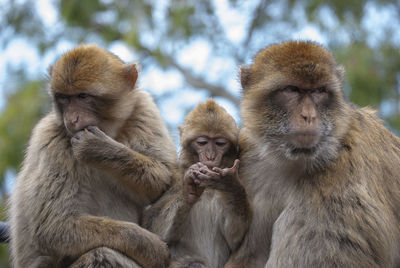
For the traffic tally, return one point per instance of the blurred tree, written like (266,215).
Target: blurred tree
(364,35)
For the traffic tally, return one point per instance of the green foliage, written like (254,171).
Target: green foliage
(21,113)
(367,86)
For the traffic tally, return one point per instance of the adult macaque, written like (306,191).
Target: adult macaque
(204,218)
(322,175)
(99,156)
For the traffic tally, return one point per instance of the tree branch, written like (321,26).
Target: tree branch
(257,14)
(196,81)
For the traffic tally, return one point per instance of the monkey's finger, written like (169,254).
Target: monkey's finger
(207,175)
(209,172)
(234,168)
(92,128)
(222,172)
(95,130)
(226,171)
(200,164)
(203,169)
(217,169)
(197,166)
(236,164)
(204,177)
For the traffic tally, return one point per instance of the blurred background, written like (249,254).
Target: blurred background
(188,50)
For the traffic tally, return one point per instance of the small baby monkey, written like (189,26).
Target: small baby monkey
(205,217)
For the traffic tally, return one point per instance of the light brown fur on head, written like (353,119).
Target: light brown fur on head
(80,69)
(97,72)
(307,62)
(207,119)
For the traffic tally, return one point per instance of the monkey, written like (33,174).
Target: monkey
(93,163)
(204,218)
(322,174)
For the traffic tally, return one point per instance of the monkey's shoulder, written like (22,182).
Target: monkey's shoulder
(46,130)
(47,136)
(369,132)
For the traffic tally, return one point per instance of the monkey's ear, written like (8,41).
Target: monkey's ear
(180,128)
(340,71)
(50,70)
(244,76)
(131,74)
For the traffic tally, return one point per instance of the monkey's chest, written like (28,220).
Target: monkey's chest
(202,233)
(105,197)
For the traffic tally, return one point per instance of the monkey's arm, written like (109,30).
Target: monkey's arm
(237,213)
(167,215)
(236,216)
(128,238)
(143,174)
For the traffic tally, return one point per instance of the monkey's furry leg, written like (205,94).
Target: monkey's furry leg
(104,258)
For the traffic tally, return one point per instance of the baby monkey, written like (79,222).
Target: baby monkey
(207,172)
(204,218)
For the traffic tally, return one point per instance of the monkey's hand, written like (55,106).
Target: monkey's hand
(192,189)
(205,177)
(93,145)
(233,171)
(220,179)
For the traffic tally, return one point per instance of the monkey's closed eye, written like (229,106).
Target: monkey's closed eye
(220,143)
(292,89)
(61,96)
(202,141)
(83,96)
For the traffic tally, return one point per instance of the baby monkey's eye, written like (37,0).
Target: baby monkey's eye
(201,141)
(221,142)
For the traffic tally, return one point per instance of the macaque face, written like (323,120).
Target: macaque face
(211,150)
(299,120)
(293,102)
(80,111)
(305,108)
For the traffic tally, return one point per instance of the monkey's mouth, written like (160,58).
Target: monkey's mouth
(304,142)
(306,151)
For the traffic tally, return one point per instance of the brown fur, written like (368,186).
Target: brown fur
(207,119)
(337,207)
(205,233)
(83,190)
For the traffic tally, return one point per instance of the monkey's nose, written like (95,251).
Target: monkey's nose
(210,157)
